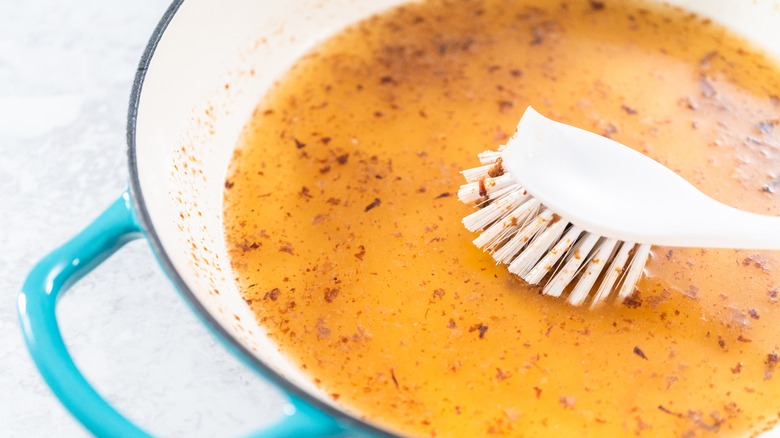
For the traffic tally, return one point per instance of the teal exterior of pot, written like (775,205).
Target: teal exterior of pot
(47,283)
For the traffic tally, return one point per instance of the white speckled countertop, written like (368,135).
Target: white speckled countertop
(66,70)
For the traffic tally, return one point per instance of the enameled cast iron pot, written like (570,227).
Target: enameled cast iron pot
(203,72)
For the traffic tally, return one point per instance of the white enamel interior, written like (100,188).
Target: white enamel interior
(188,123)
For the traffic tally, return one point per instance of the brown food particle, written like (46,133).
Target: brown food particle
(771,186)
(392,376)
(272,294)
(538,392)
(497,169)
(640,353)
(654,301)
(505,105)
(305,193)
(286,247)
(333,201)
(331,294)
(609,130)
(299,144)
(757,260)
(634,300)
(362,252)
(690,104)
(717,420)
(245,246)
(538,36)
(483,202)
(502,375)
(482,189)
(229,184)
(375,203)
(325,140)
(628,109)
(451,323)
(323,332)
(705,60)
(597,5)
(566,401)
(482,328)
(753,313)
(770,364)
(663,409)
(343,158)
(737,368)
(443,195)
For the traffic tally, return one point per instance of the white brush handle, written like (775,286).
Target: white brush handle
(727,227)
(613,191)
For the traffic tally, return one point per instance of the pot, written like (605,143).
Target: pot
(203,72)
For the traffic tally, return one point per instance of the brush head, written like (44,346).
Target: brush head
(542,247)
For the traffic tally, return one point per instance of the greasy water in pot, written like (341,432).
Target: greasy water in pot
(345,234)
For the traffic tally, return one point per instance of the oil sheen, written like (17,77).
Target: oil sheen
(346,239)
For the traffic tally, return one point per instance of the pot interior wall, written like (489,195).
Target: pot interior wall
(208,73)
(206,76)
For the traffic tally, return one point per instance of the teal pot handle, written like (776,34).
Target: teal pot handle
(53,275)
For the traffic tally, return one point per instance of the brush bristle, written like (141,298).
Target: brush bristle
(543,248)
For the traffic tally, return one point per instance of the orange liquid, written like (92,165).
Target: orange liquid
(346,239)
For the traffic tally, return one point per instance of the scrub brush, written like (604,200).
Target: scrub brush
(577,213)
